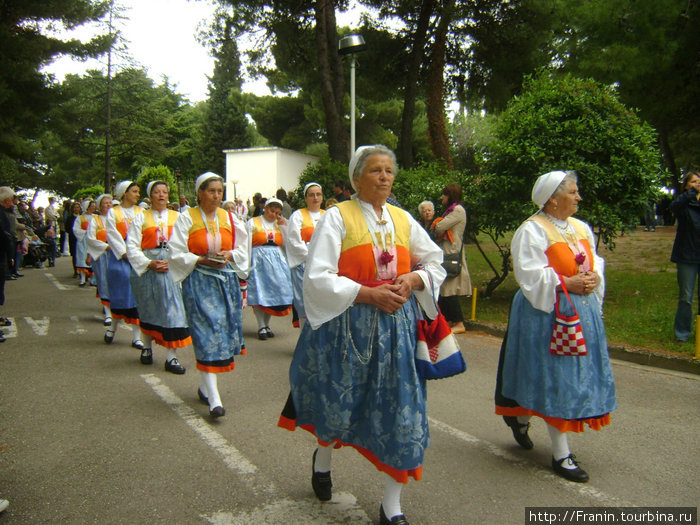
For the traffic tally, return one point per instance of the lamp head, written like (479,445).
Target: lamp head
(351,44)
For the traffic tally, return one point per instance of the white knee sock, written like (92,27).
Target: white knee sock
(147,340)
(560,443)
(82,277)
(212,390)
(323,458)
(260,316)
(523,420)
(114,326)
(392,497)
(108,312)
(136,333)
(171,354)
(203,383)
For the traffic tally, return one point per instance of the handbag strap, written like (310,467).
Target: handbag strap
(566,292)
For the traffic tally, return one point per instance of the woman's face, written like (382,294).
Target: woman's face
(314,198)
(91,207)
(427,212)
(376,180)
(76,209)
(105,205)
(567,201)
(210,197)
(444,199)
(272,213)
(229,206)
(159,197)
(131,196)
(693,182)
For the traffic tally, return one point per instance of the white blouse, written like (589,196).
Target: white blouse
(327,295)
(297,249)
(77,229)
(135,235)
(95,247)
(114,238)
(183,262)
(537,281)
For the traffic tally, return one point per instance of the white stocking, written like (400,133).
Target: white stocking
(560,443)
(260,316)
(392,497)
(323,458)
(147,340)
(212,390)
(136,333)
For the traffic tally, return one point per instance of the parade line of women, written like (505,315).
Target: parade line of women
(362,274)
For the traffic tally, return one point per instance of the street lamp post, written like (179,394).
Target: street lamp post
(350,45)
(235,181)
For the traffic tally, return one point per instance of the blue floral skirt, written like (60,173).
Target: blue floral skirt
(553,386)
(298,287)
(121,300)
(213,306)
(100,267)
(159,302)
(354,382)
(81,254)
(270,283)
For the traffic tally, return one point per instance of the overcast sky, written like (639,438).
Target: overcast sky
(161,37)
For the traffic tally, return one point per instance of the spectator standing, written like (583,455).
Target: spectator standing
(72,240)
(286,207)
(7,246)
(51,216)
(184,205)
(686,253)
(449,234)
(426,210)
(65,214)
(339,191)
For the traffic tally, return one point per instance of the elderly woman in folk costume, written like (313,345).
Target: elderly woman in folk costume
(554,253)
(122,302)
(158,299)
(97,247)
(299,231)
(209,246)
(353,375)
(80,226)
(270,283)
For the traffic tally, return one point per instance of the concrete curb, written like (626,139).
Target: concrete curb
(642,356)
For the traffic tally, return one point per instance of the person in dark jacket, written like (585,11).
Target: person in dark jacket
(686,252)
(7,246)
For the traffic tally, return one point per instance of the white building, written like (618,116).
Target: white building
(263,170)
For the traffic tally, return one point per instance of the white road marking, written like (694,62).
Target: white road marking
(10,331)
(55,282)
(78,329)
(39,326)
(586,490)
(342,508)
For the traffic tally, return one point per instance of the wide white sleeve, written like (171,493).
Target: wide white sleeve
(428,255)
(182,261)
(537,281)
(326,294)
(293,243)
(114,238)
(599,268)
(95,247)
(77,230)
(241,251)
(139,262)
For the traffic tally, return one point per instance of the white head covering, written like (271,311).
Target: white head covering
(121,188)
(153,183)
(545,186)
(86,204)
(203,178)
(353,164)
(115,202)
(98,201)
(273,201)
(311,184)
(144,205)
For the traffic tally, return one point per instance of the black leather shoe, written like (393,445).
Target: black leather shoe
(269,332)
(262,334)
(174,366)
(146,356)
(521,437)
(399,519)
(109,336)
(217,411)
(577,474)
(204,399)
(4,321)
(321,482)
(138,344)
(2,338)
(108,321)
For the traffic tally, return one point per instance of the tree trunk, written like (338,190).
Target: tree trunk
(668,157)
(437,131)
(405,149)
(332,84)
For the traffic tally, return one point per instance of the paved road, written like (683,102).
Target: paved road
(89,435)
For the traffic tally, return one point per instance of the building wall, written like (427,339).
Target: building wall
(263,170)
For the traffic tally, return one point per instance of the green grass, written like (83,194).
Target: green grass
(640,298)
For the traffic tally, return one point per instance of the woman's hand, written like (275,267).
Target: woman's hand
(386,297)
(208,262)
(160,266)
(281,220)
(582,283)
(408,282)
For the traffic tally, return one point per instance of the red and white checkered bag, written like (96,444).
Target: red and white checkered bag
(567,336)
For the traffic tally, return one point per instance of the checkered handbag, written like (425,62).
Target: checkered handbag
(567,336)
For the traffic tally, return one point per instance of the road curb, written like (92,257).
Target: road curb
(642,356)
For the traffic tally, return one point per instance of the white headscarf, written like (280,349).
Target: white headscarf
(273,201)
(153,183)
(353,164)
(98,201)
(203,178)
(121,188)
(311,185)
(86,204)
(545,186)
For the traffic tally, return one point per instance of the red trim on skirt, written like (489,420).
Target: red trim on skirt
(563,425)
(216,369)
(275,313)
(158,338)
(399,475)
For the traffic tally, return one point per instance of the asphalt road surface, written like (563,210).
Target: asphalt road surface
(90,435)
